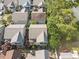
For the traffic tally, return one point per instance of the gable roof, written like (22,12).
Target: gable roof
(11,5)
(36,29)
(39,54)
(22,2)
(16,38)
(20,17)
(42,38)
(37,2)
(11,30)
(38,15)
(6,2)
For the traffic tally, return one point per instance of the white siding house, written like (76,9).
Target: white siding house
(15,34)
(39,17)
(38,34)
(20,17)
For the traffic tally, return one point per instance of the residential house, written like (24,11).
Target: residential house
(11,54)
(38,34)
(20,17)
(1,33)
(37,2)
(39,17)
(11,6)
(22,2)
(16,2)
(15,34)
(26,6)
(39,54)
(6,2)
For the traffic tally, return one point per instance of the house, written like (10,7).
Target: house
(37,2)
(38,16)
(16,2)
(26,6)
(1,33)
(22,2)
(39,54)
(11,54)
(20,17)
(11,6)
(6,2)
(38,34)
(15,34)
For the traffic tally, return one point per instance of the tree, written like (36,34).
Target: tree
(61,22)
(6,19)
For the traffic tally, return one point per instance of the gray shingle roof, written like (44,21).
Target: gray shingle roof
(40,17)
(20,17)
(6,2)
(11,30)
(42,38)
(20,2)
(36,30)
(17,39)
(40,54)
(37,2)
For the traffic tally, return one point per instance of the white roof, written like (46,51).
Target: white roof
(20,17)
(16,26)
(17,38)
(41,38)
(21,2)
(40,54)
(37,2)
(38,26)
(11,30)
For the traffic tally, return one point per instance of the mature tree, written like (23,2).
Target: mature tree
(61,22)
(6,19)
